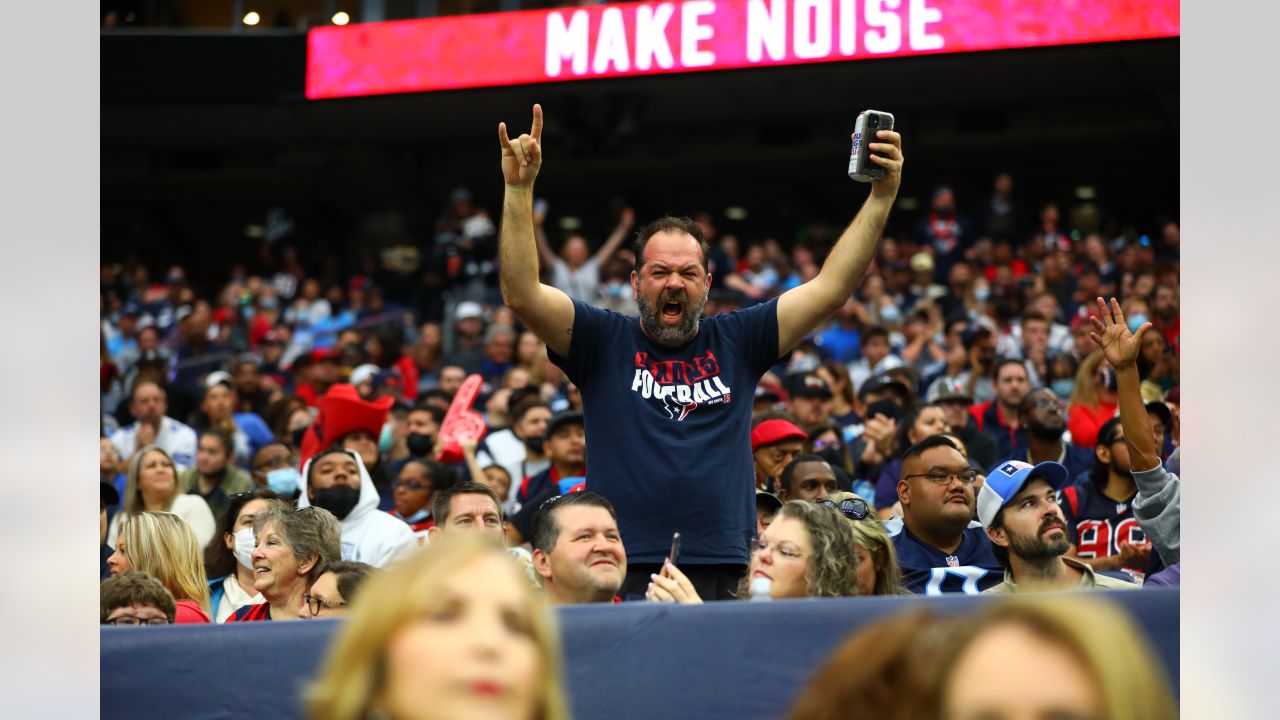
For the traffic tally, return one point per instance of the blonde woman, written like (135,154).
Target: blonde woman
(878,572)
(455,631)
(162,545)
(152,486)
(1075,657)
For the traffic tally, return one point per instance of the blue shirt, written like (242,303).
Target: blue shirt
(668,430)
(929,571)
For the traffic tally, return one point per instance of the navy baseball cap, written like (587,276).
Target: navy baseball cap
(1006,480)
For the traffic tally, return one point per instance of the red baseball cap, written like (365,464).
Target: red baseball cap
(775,431)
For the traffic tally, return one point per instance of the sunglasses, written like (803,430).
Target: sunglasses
(852,508)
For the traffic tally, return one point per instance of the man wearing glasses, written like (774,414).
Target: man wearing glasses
(136,598)
(1043,417)
(940,548)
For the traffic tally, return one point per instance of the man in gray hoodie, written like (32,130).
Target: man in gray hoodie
(1158,504)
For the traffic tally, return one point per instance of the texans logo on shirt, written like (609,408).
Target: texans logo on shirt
(681,387)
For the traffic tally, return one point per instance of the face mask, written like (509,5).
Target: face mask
(1135,321)
(338,500)
(419,444)
(890,314)
(297,435)
(981,293)
(887,408)
(534,444)
(1063,388)
(385,440)
(832,456)
(283,481)
(244,547)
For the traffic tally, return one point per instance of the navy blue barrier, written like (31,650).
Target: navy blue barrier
(638,660)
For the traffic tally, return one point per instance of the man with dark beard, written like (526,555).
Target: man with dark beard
(659,391)
(1043,417)
(1018,507)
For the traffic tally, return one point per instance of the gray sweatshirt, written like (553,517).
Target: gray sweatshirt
(1158,508)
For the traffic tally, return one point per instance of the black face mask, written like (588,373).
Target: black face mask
(338,500)
(887,408)
(419,444)
(832,455)
(297,436)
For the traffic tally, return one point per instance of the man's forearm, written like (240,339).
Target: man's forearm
(1133,418)
(517,250)
(853,252)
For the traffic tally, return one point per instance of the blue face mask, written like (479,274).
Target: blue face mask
(284,481)
(1135,321)
(982,293)
(1063,388)
(384,440)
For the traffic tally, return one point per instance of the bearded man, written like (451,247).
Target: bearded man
(667,397)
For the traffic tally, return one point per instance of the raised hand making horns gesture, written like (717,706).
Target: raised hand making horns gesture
(522,158)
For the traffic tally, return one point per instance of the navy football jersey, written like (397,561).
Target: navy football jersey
(927,570)
(1096,524)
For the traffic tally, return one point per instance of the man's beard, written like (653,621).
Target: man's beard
(671,335)
(1045,432)
(1036,548)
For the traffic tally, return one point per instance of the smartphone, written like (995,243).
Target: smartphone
(675,549)
(864,133)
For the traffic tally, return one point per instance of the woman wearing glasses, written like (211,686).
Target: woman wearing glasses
(292,549)
(807,551)
(228,558)
(878,572)
(414,490)
(162,545)
(333,592)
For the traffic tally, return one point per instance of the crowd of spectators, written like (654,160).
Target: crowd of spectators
(970,419)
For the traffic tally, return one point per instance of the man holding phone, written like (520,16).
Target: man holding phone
(666,441)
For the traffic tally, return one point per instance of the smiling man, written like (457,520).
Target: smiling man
(940,549)
(1018,506)
(667,396)
(577,549)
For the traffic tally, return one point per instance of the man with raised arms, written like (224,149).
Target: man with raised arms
(668,396)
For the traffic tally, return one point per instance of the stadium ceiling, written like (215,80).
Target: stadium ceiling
(201,119)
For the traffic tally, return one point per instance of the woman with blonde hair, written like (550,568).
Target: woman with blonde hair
(152,486)
(455,631)
(162,545)
(878,572)
(807,551)
(1093,400)
(1076,657)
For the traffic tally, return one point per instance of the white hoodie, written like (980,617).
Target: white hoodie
(368,534)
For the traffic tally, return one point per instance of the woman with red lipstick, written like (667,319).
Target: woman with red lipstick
(808,551)
(454,632)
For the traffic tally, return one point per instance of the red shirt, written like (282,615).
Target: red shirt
(1084,422)
(190,612)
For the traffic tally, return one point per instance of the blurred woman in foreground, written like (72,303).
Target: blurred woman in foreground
(454,632)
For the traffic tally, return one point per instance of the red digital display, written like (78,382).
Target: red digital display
(648,38)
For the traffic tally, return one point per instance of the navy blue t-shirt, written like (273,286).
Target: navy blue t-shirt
(929,571)
(669,430)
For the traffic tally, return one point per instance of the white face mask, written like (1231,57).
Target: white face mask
(244,547)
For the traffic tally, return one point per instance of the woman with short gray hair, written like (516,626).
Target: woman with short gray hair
(291,549)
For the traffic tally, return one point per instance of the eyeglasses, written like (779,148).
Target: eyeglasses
(131,621)
(760,546)
(968,477)
(413,485)
(549,502)
(315,602)
(1047,403)
(274,463)
(852,508)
